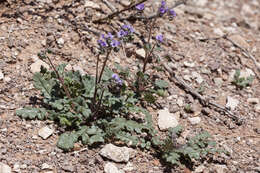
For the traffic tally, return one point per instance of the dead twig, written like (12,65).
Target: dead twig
(109,5)
(247,54)
(112,15)
(205,102)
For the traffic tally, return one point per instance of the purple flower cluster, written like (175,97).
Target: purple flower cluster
(108,41)
(125,31)
(164,9)
(117,79)
(159,38)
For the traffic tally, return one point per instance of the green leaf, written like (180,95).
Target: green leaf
(43,85)
(96,139)
(85,139)
(32,113)
(172,158)
(161,92)
(93,130)
(162,84)
(67,140)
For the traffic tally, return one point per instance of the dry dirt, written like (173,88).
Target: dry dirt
(193,38)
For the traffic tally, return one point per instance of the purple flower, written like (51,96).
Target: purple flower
(131,29)
(172,13)
(159,38)
(163,3)
(163,9)
(102,43)
(109,36)
(121,33)
(128,28)
(115,43)
(117,79)
(140,7)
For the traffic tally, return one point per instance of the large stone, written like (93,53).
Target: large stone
(232,103)
(117,154)
(111,168)
(5,168)
(90,4)
(167,119)
(45,132)
(36,66)
(194,120)
(140,53)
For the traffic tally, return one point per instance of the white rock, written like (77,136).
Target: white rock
(46,166)
(60,41)
(189,64)
(36,66)
(257,108)
(7,79)
(187,78)
(253,100)
(218,32)
(117,154)
(45,132)
(126,2)
(16,167)
(232,103)
(218,81)
(90,4)
(194,120)
(180,102)
(111,168)
(23,166)
(167,119)
(197,77)
(5,168)
(246,73)
(221,168)
(200,169)
(129,167)
(1,75)
(140,53)
(44,1)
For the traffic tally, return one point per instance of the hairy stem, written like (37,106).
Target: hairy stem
(61,81)
(104,65)
(147,51)
(96,81)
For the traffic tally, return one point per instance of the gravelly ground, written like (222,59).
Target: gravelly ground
(194,38)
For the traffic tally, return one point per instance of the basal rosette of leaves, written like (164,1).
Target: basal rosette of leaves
(111,122)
